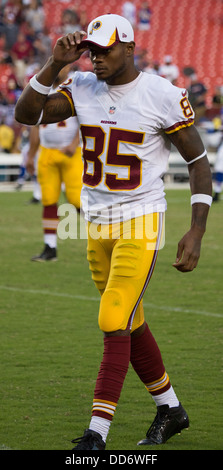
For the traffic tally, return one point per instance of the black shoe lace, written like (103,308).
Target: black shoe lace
(84,442)
(157,425)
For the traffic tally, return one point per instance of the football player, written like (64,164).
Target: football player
(59,164)
(128,120)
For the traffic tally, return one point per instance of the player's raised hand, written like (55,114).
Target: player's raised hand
(68,48)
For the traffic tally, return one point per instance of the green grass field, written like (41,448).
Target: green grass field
(51,346)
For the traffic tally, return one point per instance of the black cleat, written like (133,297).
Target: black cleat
(33,200)
(48,254)
(19,186)
(216,197)
(91,440)
(168,421)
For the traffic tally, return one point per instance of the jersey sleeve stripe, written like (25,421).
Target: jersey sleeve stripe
(69,97)
(179,125)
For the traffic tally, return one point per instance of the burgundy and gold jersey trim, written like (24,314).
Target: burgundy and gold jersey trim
(179,125)
(68,95)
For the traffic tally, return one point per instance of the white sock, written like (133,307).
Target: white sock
(37,191)
(50,239)
(100,425)
(166,398)
(217,188)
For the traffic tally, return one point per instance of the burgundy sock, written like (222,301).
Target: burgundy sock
(147,362)
(111,376)
(50,218)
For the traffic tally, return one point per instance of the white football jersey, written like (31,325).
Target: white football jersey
(125,144)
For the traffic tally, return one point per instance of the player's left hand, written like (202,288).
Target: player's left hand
(188,252)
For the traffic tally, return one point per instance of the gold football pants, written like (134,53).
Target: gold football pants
(122,258)
(55,168)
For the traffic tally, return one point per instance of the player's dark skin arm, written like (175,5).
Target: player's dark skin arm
(55,107)
(190,146)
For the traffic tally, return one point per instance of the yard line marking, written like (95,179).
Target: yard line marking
(45,292)
(97,299)
(183,310)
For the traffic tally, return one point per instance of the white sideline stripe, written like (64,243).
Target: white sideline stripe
(97,299)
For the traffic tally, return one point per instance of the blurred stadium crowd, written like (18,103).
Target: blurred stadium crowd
(178,40)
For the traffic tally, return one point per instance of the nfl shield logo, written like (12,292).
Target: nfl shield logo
(112,109)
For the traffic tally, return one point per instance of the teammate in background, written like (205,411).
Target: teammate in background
(169,70)
(23,176)
(59,161)
(128,120)
(7,137)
